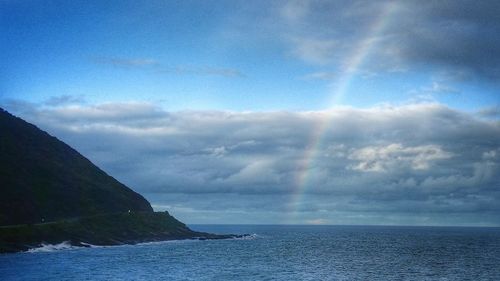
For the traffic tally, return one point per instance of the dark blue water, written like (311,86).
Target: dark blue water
(279,253)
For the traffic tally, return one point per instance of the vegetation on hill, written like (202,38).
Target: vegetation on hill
(108,229)
(44,179)
(50,193)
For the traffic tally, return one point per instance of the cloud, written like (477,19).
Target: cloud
(64,100)
(317,221)
(438,88)
(203,70)
(389,164)
(455,37)
(397,156)
(315,51)
(321,75)
(490,112)
(295,10)
(156,66)
(125,62)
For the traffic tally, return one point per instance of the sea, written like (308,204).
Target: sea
(277,252)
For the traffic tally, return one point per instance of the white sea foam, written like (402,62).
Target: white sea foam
(66,245)
(167,242)
(90,245)
(248,237)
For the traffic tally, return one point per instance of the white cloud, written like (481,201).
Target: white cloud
(156,66)
(316,51)
(294,11)
(490,112)
(65,100)
(383,159)
(397,156)
(125,62)
(317,222)
(201,70)
(406,35)
(321,75)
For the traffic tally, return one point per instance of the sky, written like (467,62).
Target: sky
(271,112)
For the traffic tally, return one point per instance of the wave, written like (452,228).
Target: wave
(65,245)
(252,236)
(175,241)
(87,245)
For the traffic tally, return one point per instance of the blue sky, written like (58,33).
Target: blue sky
(234,55)
(336,112)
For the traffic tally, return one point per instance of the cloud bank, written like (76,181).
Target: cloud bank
(410,164)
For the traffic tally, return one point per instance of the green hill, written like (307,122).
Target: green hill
(42,178)
(50,193)
(105,229)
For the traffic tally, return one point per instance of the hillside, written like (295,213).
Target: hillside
(100,230)
(50,193)
(42,178)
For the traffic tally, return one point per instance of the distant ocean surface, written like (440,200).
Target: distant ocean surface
(278,253)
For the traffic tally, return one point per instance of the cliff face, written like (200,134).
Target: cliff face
(42,178)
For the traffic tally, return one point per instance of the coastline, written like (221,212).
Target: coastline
(101,230)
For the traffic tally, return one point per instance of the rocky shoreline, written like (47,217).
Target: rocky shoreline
(101,230)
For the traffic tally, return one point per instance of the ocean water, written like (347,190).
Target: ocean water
(277,253)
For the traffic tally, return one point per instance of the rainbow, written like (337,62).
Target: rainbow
(338,91)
